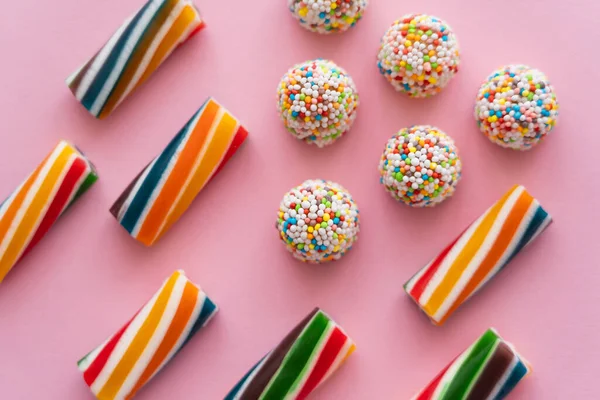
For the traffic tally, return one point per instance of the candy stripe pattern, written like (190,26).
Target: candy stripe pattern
(478,254)
(133,53)
(161,193)
(28,213)
(488,370)
(307,356)
(125,362)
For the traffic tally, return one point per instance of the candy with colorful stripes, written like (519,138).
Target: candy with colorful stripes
(161,193)
(305,358)
(126,361)
(133,53)
(488,370)
(478,254)
(28,213)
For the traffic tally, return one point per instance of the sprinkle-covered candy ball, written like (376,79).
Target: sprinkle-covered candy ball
(516,107)
(419,55)
(420,166)
(328,16)
(317,102)
(318,221)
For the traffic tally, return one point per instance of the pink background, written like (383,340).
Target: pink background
(87,277)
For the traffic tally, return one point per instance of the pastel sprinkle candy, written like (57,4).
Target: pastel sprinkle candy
(317,102)
(516,107)
(318,221)
(331,16)
(419,55)
(420,166)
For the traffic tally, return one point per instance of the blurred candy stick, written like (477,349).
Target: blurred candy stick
(488,370)
(305,358)
(133,53)
(29,212)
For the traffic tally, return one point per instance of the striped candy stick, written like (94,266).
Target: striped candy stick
(478,254)
(488,370)
(305,358)
(162,192)
(126,361)
(133,53)
(29,212)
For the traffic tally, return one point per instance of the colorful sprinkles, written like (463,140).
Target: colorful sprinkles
(419,55)
(516,107)
(420,166)
(328,16)
(318,221)
(317,102)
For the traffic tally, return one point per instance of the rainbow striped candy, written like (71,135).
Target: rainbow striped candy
(28,213)
(133,53)
(161,193)
(488,370)
(478,254)
(307,356)
(126,361)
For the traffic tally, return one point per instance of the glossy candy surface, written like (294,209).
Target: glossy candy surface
(133,53)
(305,358)
(31,210)
(162,192)
(127,360)
(488,370)
(478,254)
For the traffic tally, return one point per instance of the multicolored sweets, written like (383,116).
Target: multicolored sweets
(328,16)
(420,166)
(318,221)
(317,101)
(133,53)
(127,360)
(301,362)
(33,208)
(478,254)
(488,370)
(419,55)
(163,191)
(516,107)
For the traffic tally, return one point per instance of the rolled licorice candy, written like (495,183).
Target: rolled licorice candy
(133,53)
(162,192)
(29,212)
(478,254)
(488,370)
(305,358)
(126,361)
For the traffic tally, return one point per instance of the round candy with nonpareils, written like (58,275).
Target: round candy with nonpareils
(419,55)
(318,221)
(420,166)
(328,16)
(516,107)
(317,101)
